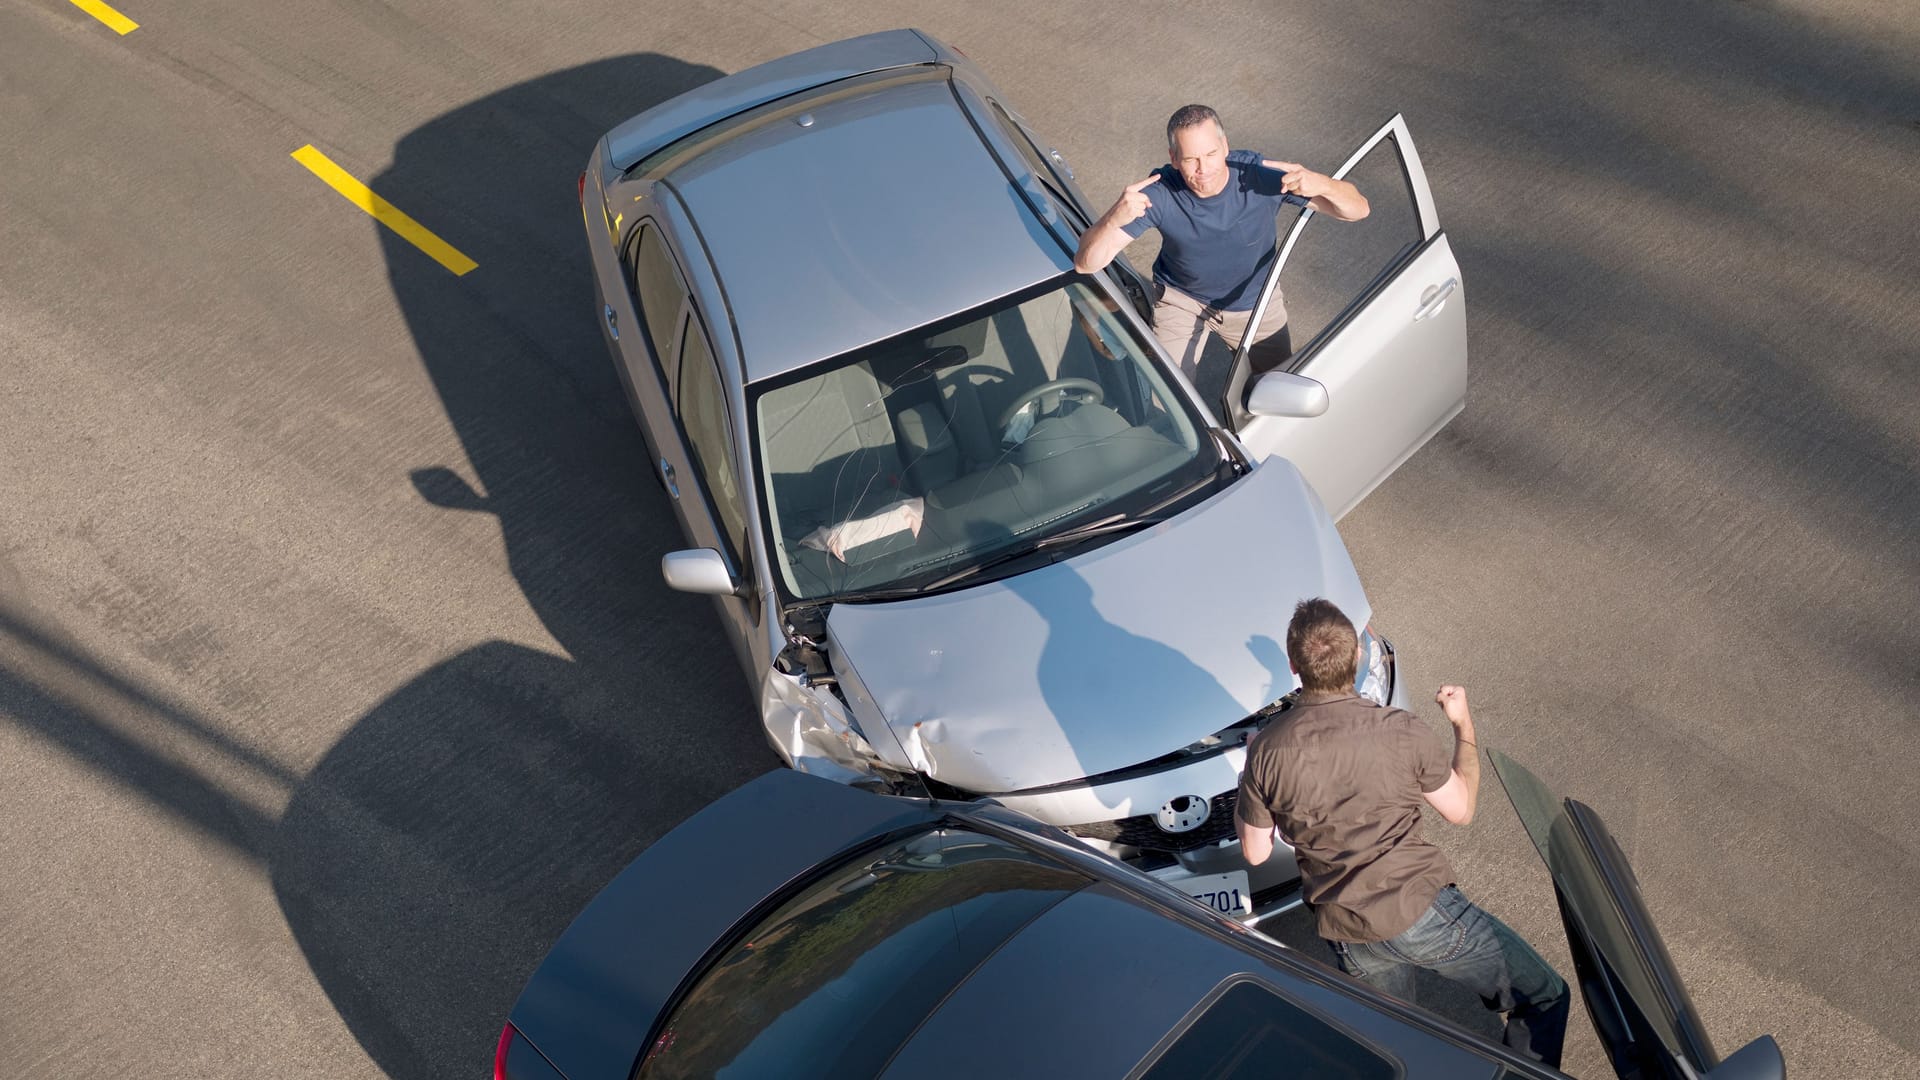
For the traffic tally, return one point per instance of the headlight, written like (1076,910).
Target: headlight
(1374,679)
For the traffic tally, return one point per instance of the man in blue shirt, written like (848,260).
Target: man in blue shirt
(1216,210)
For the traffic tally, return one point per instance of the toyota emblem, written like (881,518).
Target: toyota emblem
(1183,813)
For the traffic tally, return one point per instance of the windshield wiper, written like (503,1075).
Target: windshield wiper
(999,558)
(1114,524)
(861,596)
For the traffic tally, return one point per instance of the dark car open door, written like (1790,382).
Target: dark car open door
(1639,1007)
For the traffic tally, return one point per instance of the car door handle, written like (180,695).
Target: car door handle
(613,322)
(666,477)
(1435,298)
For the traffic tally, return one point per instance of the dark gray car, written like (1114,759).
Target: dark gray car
(797,928)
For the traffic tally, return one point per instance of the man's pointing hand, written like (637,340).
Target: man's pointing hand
(1133,202)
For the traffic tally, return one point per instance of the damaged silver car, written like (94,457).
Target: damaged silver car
(970,532)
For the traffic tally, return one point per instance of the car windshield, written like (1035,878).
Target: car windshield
(902,464)
(832,982)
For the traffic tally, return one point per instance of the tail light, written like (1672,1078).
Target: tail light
(583,188)
(507,1033)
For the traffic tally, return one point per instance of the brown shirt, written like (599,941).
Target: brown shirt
(1343,779)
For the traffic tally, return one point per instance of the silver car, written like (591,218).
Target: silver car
(969,530)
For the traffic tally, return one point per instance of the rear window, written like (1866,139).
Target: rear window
(836,979)
(1249,1031)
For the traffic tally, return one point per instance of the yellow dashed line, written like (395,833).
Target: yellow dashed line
(115,21)
(383,211)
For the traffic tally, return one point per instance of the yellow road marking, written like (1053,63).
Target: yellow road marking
(383,211)
(115,21)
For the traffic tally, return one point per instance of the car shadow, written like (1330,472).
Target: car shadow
(433,856)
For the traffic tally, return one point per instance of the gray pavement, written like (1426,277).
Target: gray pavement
(336,673)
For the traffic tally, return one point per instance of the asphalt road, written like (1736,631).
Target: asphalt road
(336,673)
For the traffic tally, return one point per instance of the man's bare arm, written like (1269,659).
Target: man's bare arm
(1337,199)
(1101,242)
(1256,845)
(1457,798)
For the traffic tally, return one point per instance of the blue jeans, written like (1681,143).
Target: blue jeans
(1459,941)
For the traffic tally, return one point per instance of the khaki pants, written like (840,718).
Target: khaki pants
(1182,324)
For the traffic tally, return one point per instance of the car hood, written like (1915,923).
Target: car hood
(1107,660)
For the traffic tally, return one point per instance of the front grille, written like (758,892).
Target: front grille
(1141,832)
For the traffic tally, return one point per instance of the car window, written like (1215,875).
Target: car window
(1334,264)
(703,416)
(837,977)
(657,289)
(1124,272)
(1037,161)
(903,463)
(1249,1032)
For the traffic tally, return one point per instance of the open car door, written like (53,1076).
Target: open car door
(1634,996)
(1378,320)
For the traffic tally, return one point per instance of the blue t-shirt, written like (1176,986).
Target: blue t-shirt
(1216,249)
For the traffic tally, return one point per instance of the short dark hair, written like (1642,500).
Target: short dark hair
(1320,645)
(1187,116)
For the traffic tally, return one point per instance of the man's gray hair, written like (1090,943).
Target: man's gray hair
(1187,116)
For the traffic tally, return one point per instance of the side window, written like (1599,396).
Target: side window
(836,979)
(657,289)
(1335,264)
(1127,275)
(1037,161)
(703,416)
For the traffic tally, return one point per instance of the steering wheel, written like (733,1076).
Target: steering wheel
(1094,394)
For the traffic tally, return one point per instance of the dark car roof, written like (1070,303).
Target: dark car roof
(1093,984)
(858,215)
(593,1000)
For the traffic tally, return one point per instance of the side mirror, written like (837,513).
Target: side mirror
(445,488)
(1758,1060)
(700,570)
(1282,393)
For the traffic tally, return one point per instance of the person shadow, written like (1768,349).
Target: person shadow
(1102,681)
(435,853)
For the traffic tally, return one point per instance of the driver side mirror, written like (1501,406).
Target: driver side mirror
(1282,393)
(700,570)
(1758,1060)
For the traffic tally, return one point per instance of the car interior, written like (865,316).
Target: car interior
(913,453)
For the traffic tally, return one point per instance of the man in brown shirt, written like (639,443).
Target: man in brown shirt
(1343,779)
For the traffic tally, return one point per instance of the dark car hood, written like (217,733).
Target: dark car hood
(592,1001)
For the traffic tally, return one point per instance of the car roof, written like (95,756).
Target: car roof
(1093,984)
(865,214)
(714,102)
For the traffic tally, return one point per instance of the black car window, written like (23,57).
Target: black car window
(1249,1031)
(657,289)
(836,979)
(703,416)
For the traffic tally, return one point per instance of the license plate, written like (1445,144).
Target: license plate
(1225,893)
